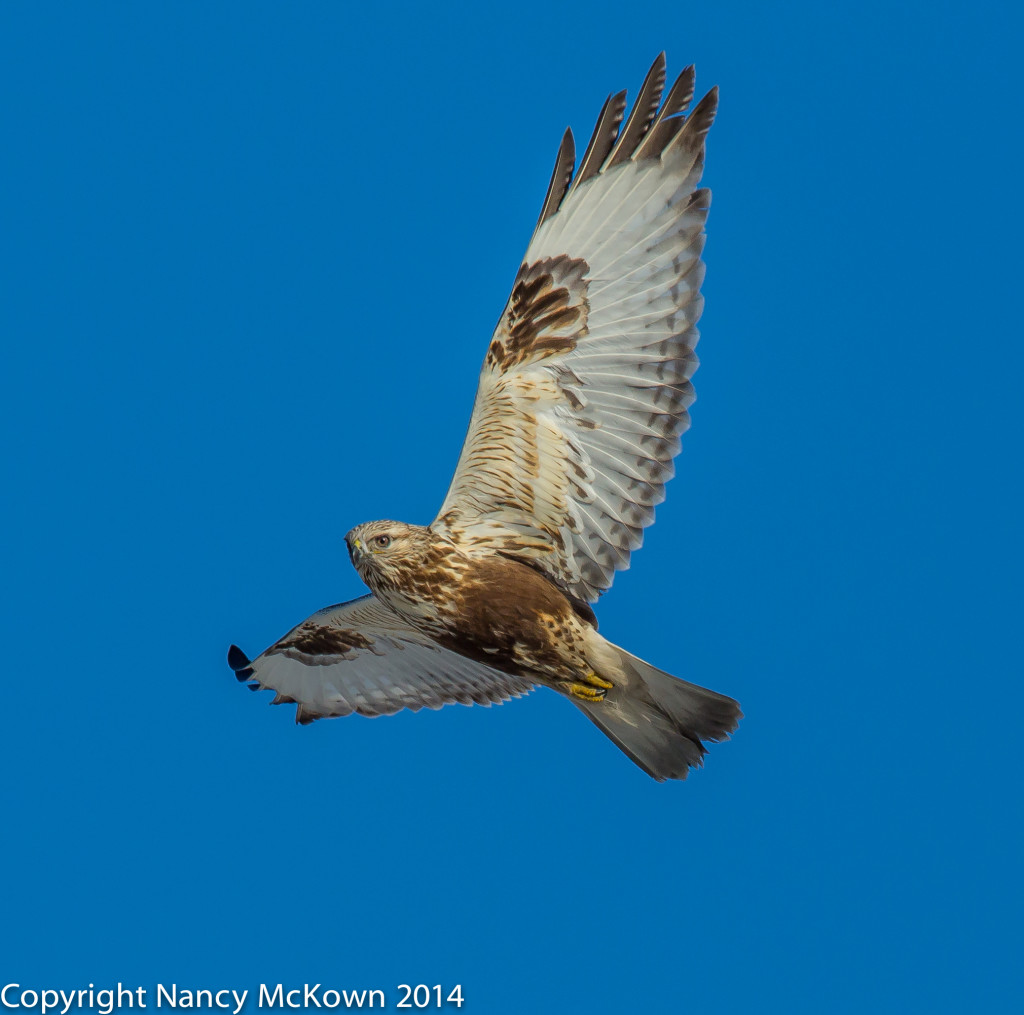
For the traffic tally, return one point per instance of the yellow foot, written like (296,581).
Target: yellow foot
(593,690)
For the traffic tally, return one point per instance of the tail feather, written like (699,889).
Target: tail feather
(660,721)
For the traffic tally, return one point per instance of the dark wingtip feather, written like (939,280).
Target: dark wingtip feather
(239,662)
(669,121)
(237,658)
(691,136)
(565,163)
(642,114)
(698,123)
(606,130)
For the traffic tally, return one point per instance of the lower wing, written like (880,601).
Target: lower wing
(362,657)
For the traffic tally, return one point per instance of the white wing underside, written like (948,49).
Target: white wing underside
(362,657)
(584,393)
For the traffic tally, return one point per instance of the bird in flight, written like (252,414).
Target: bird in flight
(581,401)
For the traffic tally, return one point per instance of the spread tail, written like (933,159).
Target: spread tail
(658,720)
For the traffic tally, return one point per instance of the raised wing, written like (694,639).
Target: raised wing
(584,390)
(362,657)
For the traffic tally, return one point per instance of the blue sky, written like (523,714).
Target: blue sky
(253,254)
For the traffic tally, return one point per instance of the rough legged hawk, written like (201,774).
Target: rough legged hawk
(582,398)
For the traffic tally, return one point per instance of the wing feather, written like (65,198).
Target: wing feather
(642,114)
(586,384)
(668,122)
(362,657)
(605,133)
(560,177)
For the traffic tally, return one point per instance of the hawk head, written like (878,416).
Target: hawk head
(382,551)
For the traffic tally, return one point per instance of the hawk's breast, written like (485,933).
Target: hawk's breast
(511,617)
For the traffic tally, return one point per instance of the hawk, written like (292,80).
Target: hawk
(582,398)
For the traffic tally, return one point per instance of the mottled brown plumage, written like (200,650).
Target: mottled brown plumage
(493,609)
(313,639)
(546,313)
(582,399)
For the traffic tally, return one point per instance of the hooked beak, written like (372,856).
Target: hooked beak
(355,549)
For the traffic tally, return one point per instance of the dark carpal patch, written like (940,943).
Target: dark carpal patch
(545,315)
(318,640)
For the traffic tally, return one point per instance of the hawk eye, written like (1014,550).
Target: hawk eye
(383,541)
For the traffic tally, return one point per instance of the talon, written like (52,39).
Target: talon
(588,693)
(596,681)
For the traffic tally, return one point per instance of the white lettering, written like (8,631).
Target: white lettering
(269,1000)
(354,999)
(310,997)
(54,1001)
